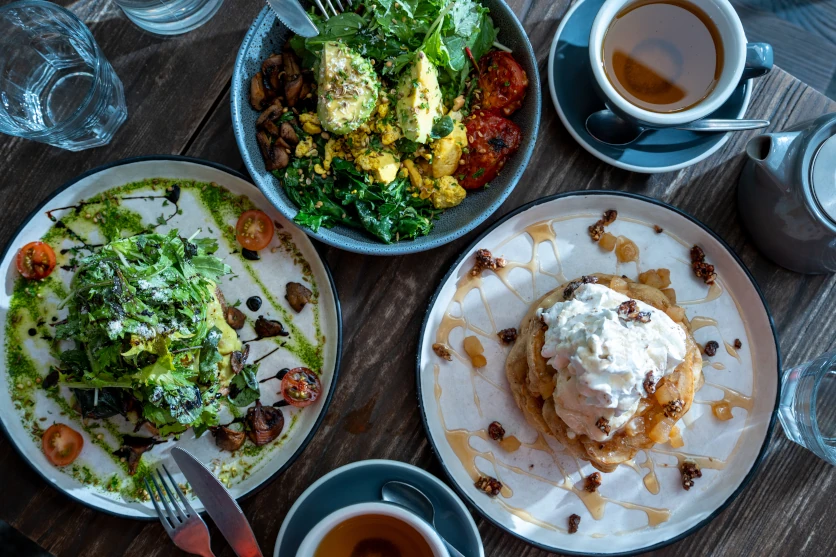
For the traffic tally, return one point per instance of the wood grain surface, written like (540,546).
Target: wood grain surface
(178,101)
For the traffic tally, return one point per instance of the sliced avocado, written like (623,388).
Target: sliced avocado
(348,88)
(419,99)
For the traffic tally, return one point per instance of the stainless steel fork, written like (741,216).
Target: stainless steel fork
(184,526)
(330,4)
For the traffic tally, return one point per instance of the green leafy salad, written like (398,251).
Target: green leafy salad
(148,332)
(363,125)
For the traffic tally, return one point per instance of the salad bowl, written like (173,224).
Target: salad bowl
(268,35)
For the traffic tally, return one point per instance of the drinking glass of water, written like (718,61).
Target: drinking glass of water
(808,406)
(56,86)
(169,17)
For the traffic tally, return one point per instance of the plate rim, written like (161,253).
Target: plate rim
(369,462)
(748,84)
(223,168)
(773,418)
(382,249)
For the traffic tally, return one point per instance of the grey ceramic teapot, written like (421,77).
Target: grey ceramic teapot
(787,195)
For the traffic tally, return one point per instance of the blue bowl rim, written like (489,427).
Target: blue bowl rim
(769,430)
(534,96)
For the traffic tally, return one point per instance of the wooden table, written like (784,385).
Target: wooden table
(178,102)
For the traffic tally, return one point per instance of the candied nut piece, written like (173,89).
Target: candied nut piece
(442,351)
(603,424)
(658,229)
(649,384)
(574,521)
(674,408)
(629,311)
(738,344)
(496,431)
(597,229)
(489,485)
(702,269)
(690,470)
(486,260)
(592,481)
(507,336)
(711,347)
(569,291)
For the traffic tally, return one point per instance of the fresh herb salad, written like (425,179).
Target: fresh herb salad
(390,115)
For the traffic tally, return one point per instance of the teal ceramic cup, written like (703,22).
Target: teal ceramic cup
(741,61)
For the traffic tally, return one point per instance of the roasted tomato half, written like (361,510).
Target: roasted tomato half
(491,138)
(62,444)
(301,387)
(35,260)
(254,230)
(503,82)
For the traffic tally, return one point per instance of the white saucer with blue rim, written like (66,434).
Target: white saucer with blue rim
(361,482)
(572,91)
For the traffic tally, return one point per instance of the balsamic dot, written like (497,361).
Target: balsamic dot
(250,254)
(254,303)
(32,332)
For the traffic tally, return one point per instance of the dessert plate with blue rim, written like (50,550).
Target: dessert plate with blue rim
(572,91)
(361,482)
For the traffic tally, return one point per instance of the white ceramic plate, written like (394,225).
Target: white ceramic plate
(644,505)
(291,258)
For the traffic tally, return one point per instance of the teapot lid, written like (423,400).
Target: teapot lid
(823,177)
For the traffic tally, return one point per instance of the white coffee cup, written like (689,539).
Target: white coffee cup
(318,532)
(741,61)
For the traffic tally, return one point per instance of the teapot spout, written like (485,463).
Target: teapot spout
(772,154)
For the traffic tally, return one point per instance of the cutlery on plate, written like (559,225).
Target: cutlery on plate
(413,499)
(184,526)
(220,505)
(293,15)
(607,127)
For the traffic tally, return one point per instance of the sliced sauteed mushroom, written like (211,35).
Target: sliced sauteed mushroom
(228,439)
(292,78)
(287,133)
(235,318)
(237,359)
(271,114)
(273,152)
(271,69)
(132,449)
(266,328)
(264,423)
(257,93)
(297,296)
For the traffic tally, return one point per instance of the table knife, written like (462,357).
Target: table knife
(220,505)
(291,13)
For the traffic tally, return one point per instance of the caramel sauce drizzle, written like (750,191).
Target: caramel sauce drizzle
(459,439)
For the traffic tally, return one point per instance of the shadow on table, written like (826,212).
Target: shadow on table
(14,543)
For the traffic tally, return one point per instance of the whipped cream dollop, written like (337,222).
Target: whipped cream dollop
(602,359)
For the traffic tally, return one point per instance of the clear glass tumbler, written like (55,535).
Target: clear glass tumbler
(169,17)
(56,86)
(808,406)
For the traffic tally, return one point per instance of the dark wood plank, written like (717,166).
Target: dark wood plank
(374,414)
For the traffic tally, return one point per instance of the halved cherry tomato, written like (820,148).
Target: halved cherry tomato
(254,230)
(301,387)
(36,260)
(503,82)
(491,140)
(62,444)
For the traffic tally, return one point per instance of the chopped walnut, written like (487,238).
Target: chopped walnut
(674,408)
(629,311)
(569,291)
(738,344)
(649,384)
(496,431)
(658,229)
(604,425)
(442,351)
(489,485)
(597,229)
(592,481)
(711,347)
(690,470)
(702,269)
(486,260)
(507,336)
(574,521)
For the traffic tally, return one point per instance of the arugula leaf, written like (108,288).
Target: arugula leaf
(243,390)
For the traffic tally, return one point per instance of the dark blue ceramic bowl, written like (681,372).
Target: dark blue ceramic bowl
(267,35)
